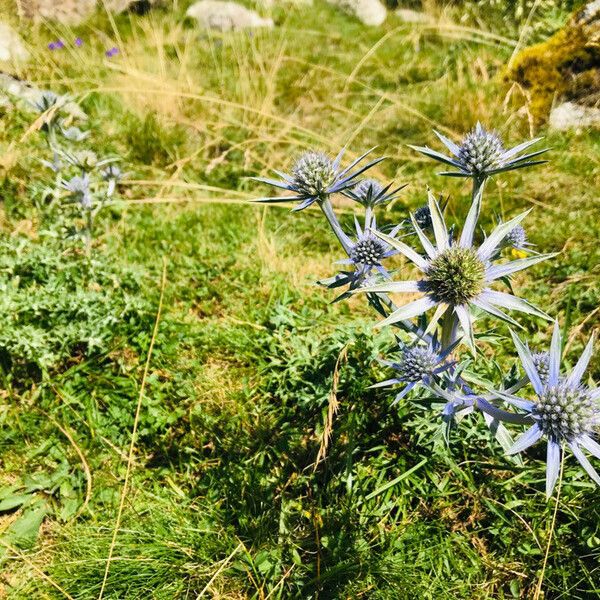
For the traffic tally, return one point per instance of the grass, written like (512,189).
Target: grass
(224,498)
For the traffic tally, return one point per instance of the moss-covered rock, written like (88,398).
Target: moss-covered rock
(565,66)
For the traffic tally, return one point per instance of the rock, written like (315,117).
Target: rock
(11,45)
(569,115)
(31,95)
(75,12)
(226,16)
(68,12)
(369,12)
(564,67)
(413,16)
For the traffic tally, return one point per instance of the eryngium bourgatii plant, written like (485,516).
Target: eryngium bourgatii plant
(460,271)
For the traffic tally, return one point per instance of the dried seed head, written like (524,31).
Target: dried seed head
(564,411)
(417,363)
(480,151)
(368,250)
(313,173)
(455,277)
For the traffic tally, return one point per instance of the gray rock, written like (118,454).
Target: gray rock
(12,48)
(30,95)
(569,115)
(226,16)
(68,12)
(369,12)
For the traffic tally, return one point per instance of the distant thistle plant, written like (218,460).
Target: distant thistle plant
(458,270)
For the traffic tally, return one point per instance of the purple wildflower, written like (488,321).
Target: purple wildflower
(51,46)
(60,44)
(78,42)
(112,52)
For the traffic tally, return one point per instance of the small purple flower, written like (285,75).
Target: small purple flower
(112,52)
(60,44)
(52,46)
(78,42)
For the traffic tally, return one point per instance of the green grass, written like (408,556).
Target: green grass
(224,497)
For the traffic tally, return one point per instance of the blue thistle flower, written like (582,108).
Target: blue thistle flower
(315,177)
(370,193)
(365,253)
(418,364)
(455,276)
(481,154)
(423,217)
(566,411)
(517,239)
(79,188)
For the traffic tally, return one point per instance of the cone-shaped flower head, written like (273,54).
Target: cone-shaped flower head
(370,193)
(365,253)
(541,360)
(456,276)
(423,217)
(565,411)
(517,238)
(79,187)
(481,153)
(314,177)
(417,364)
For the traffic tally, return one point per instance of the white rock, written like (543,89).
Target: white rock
(573,116)
(370,12)
(226,16)
(413,16)
(11,45)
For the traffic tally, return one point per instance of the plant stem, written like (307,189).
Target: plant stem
(327,209)
(449,328)
(538,587)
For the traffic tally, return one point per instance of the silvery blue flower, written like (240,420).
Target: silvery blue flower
(565,412)
(481,154)
(46,101)
(79,187)
(423,217)
(419,364)
(74,134)
(314,177)
(112,175)
(456,276)
(370,193)
(517,239)
(365,253)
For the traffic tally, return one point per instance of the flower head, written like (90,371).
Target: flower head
(418,364)
(423,217)
(79,187)
(541,360)
(454,275)
(481,153)
(517,238)
(365,253)
(565,411)
(314,176)
(370,193)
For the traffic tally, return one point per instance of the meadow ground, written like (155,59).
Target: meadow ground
(223,496)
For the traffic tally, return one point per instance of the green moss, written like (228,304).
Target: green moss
(557,67)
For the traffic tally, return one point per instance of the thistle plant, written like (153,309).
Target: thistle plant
(456,276)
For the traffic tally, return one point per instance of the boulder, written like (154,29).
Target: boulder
(68,12)
(12,48)
(75,12)
(564,67)
(369,12)
(226,16)
(569,115)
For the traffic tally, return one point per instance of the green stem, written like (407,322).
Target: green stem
(449,328)
(327,209)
